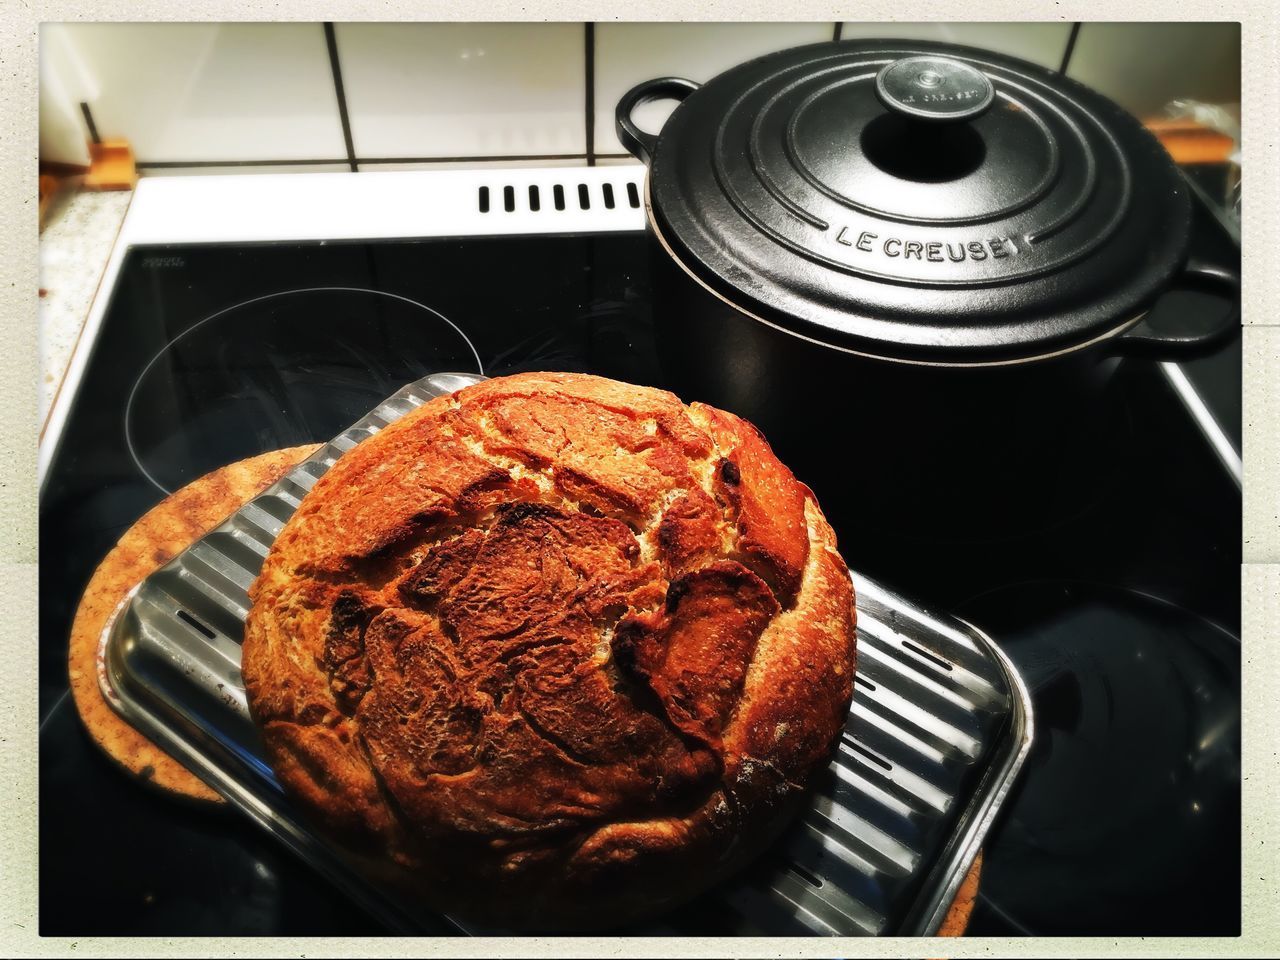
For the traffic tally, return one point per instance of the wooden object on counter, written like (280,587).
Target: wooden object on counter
(162,533)
(57,182)
(112,166)
(956,921)
(1190,142)
(48,188)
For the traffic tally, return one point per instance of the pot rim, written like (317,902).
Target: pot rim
(1110,334)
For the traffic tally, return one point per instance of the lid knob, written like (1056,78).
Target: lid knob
(935,89)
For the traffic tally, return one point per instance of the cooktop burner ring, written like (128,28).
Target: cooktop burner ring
(1137,705)
(131,441)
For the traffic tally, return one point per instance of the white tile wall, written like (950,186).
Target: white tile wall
(463,89)
(627,53)
(1042,43)
(1142,66)
(264,91)
(207,91)
(62,137)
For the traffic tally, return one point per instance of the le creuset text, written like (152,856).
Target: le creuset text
(934,251)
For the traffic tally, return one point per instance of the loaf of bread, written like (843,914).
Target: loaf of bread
(553,651)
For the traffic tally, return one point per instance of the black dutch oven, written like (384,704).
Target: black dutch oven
(916,263)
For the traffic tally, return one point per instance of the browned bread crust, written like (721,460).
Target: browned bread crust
(563,649)
(164,531)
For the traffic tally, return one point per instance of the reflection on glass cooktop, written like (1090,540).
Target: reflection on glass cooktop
(208,354)
(1127,818)
(259,375)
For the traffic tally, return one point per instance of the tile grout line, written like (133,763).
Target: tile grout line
(337,161)
(89,122)
(180,164)
(1070,49)
(589,56)
(331,41)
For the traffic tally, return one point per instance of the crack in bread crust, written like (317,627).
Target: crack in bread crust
(566,648)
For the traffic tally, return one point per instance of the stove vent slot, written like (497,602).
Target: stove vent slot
(607,195)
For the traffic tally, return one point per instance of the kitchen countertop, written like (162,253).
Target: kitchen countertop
(74,248)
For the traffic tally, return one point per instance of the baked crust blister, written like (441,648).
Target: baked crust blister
(562,649)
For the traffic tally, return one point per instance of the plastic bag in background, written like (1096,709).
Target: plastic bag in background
(1220,119)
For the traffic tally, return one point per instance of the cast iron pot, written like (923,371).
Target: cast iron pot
(914,266)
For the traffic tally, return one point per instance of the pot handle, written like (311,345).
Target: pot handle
(1184,335)
(638,143)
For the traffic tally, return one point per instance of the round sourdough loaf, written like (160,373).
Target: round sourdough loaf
(553,651)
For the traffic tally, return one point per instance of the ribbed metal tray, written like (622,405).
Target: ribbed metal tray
(939,727)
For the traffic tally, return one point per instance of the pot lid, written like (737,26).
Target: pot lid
(917,201)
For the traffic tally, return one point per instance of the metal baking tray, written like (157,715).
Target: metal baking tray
(939,727)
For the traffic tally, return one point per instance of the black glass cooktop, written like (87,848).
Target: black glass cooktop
(1120,603)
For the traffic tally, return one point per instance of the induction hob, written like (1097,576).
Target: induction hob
(234,321)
